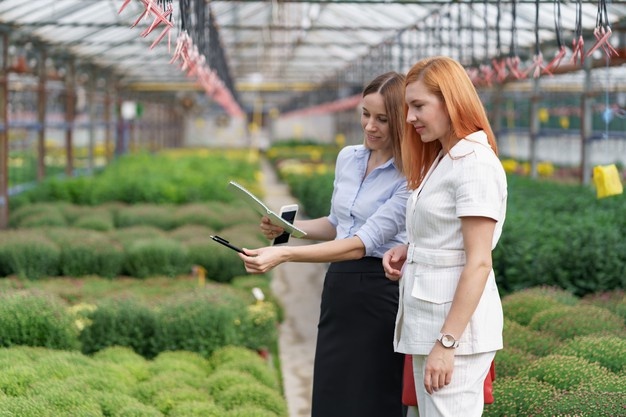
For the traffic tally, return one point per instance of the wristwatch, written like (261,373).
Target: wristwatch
(448,341)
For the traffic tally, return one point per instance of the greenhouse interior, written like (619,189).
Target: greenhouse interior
(123,124)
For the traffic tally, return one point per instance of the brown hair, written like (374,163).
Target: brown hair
(447,79)
(390,86)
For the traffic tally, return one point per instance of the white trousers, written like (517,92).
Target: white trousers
(464,396)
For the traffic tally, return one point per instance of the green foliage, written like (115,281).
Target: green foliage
(97,219)
(64,402)
(253,395)
(249,411)
(527,340)
(516,397)
(257,329)
(123,405)
(566,322)
(248,282)
(190,232)
(160,256)
(198,322)
(181,360)
(259,369)
(23,407)
(28,254)
(159,216)
(120,322)
(38,215)
(51,383)
(16,379)
(522,305)
(196,409)
(608,351)
(314,192)
(561,235)
(222,379)
(564,372)
(129,235)
(614,300)
(583,403)
(166,400)
(126,357)
(150,178)
(510,360)
(231,353)
(87,253)
(36,320)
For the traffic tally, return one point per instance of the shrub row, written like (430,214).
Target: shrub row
(562,355)
(139,251)
(106,217)
(117,382)
(200,321)
(173,177)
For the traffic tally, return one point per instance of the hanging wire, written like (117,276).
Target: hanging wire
(578,43)
(561,51)
(608,113)
(513,60)
(602,31)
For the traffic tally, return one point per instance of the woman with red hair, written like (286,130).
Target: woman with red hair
(450,314)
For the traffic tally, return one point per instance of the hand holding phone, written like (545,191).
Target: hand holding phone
(288,213)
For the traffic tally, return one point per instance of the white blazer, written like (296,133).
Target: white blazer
(469,181)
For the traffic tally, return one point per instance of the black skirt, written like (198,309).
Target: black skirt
(356,371)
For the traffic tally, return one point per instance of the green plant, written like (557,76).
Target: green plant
(85,252)
(566,322)
(159,256)
(522,305)
(126,357)
(516,397)
(258,327)
(28,254)
(36,320)
(510,360)
(101,220)
(11,406)
(582,403)
(609,351)
(196,409)
(128,235)
(189,362)
(253,395)
(120,322)
(198,322)
(257,368)
(232,353)
(166,400)
(159,216)
(527,340)
(222,379)
(564,372)
(249,411)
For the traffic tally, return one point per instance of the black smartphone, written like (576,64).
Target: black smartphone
(227,244)
(288,213)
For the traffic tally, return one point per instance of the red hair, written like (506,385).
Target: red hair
(447,79)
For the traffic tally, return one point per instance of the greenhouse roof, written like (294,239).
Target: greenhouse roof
(276,51)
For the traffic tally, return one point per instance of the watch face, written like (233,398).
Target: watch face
(447,341)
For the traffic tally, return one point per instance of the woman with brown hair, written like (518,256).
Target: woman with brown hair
(356,371)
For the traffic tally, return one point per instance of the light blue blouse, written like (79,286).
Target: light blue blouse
(373,207)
